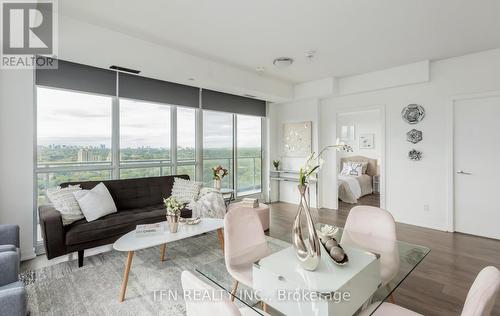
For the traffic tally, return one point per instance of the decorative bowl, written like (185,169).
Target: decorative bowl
(340,263)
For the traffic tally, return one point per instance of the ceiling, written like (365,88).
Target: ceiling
(349,36)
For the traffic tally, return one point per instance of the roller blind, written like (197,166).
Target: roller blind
(147,89)
(74,76)
(219,101)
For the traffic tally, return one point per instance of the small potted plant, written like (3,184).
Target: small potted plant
(219,174)
(276,164)
(173,213)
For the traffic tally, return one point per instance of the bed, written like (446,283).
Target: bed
(352,187)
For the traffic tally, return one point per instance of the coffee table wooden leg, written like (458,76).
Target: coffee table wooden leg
(125,275)
(220,234)
(163,251)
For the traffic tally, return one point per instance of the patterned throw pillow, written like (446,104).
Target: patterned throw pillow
(345,168)
(356,169)
(185,191)
(65,203)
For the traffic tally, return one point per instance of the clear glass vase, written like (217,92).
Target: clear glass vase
(308,250)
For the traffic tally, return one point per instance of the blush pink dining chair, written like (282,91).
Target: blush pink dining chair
(479,302)
(374,229)
(203,300)
(244,244)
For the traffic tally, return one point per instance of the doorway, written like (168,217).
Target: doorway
(360,172)
(476,148)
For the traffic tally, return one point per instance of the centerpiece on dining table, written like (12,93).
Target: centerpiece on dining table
(218,174)
(174,208)
(309,251)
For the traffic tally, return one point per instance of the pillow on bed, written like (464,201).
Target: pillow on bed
(356,169)
(345,168)
(365,166)
(350,168)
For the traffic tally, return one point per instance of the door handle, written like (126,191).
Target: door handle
(464,173)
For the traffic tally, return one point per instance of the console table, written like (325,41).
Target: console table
(291,176)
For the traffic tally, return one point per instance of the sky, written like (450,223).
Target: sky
(80,119)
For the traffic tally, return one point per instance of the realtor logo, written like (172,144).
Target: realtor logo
(28,30)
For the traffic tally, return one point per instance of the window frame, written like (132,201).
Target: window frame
(115,166)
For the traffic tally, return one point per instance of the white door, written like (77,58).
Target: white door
(477,166)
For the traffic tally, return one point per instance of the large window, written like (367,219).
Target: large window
(144,132)
(249,154)
(186,142)
(217,146)
(72,128)
(83,136)
(74,136)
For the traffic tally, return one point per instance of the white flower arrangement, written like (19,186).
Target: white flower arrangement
(314,162)
(173,206)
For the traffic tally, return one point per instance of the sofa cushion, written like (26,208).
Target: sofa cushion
(116,224)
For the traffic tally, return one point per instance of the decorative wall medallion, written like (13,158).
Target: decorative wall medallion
(414,136)
(413,113)
(415,155)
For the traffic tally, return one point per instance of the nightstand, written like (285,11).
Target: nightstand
(376,184)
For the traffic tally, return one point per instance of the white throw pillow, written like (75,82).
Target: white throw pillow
(95,203)
(65,203)
(185,191)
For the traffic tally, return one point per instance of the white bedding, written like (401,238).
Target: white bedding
(353,184)
(351,188)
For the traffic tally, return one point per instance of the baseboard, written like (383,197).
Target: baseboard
(443,228)
(28,255)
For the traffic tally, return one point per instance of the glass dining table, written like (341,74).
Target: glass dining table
(376,267)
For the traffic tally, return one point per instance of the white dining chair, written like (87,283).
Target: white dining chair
(479,302)
(201,299)
(245,243)
(374,229)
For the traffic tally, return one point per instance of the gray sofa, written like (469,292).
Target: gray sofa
(12,291)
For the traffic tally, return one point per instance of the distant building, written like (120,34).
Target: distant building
(86,154)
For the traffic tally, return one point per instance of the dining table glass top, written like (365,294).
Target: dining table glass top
(395,262)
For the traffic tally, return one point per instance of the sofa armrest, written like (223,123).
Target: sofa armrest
(13,300)
(9,267)
(53,232)
(9,235)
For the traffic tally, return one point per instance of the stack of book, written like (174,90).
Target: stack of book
(149,229)
(247,202)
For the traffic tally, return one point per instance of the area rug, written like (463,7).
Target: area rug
(65,289)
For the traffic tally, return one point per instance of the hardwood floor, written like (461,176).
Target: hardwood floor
(439,285)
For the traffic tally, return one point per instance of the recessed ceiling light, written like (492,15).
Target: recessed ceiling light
(282,62)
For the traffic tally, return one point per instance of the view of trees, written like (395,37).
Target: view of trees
(249,165)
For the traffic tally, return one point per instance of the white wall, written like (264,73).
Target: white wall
(289,113)
(411,185)
(16,154)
